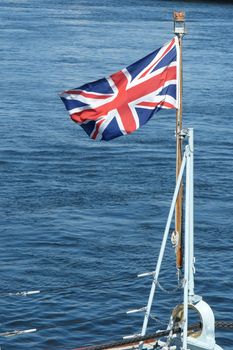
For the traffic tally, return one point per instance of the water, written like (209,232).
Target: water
(80,219)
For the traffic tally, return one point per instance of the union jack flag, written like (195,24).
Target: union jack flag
(126,100)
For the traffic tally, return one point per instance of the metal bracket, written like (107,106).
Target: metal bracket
(146,274)
(183,133)
(132,336)
(142,309)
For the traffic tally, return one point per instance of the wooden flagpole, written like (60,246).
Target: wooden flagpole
(179,30)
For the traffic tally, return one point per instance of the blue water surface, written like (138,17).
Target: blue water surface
(80,219)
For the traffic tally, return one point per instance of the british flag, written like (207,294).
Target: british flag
(126,100)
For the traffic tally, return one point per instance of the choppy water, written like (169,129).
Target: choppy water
(80,219)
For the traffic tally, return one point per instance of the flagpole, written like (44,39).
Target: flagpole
(179,30)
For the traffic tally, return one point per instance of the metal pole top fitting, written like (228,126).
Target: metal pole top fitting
(179,23)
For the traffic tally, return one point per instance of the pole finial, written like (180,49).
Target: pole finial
(179,16)
(179,22)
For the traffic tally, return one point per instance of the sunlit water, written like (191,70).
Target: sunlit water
(80,219)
